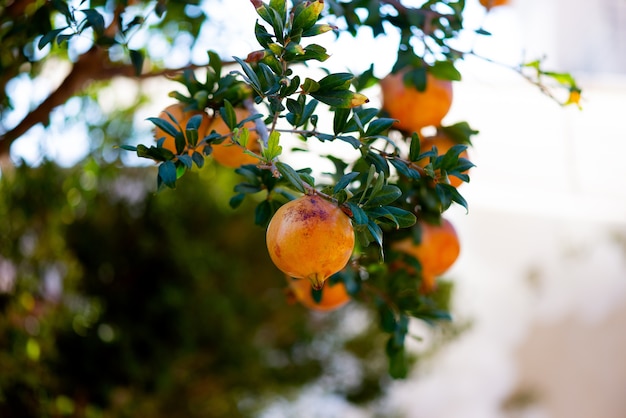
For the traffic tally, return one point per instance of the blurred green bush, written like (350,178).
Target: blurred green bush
(115,301)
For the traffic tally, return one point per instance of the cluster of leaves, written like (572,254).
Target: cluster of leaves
(383,189)
(218,93)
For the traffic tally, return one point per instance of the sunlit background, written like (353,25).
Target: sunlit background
(542,273)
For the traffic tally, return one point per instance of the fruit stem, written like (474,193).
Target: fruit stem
(317,281)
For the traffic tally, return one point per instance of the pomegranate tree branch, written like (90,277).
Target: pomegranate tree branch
(92,66)
(88,68)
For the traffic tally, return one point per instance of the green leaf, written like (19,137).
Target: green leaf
(62,7)
(403,169)
(381,213)
(136,59)
(345,181)
(290,175)
(306,177)
(387,318)
(404,218)
(379,126)
(198,159)
(316,294)
(186,160)
(359,123)
(388,194)
(280,6)
(263,37)
(194,122)
(215,62)
(340,98)
(398,366)
(309,86)
(416,77)
(164,125)
(249,173)
(414,150)
(401,330)
(180,143)
(350,140)
(378,186)
(263,213)
(376,232)
(400,218)
(340,119)
(337,81)
(95,20)
(167,174)
(561,78)
(251,76)
(278,24)
(227,112)
(247,188)
(358,215)
(317,29)
(64,37)
(236,200)
(455,196)
(378,161)
(451,157)
(366,79)
(313,52)
(460,132)
(362,116)
(305,18)
(294,106)
(158,154)
(269,80)
(445,70)
(49,37)
(273,149)
(294,84)
(371,176)
(463,165)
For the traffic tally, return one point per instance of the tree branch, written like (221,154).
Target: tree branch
(89,67)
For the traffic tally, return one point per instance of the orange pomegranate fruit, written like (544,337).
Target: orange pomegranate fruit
(334,295)
(228,153)
(412,108)
(437,251)
(488,4)
(310,238)
(182,116)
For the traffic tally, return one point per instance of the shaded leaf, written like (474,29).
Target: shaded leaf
(49,37)
(236,200)
(290,175)
(345,181)
(388,194)
(94,19)
(415,148)
(167,174)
